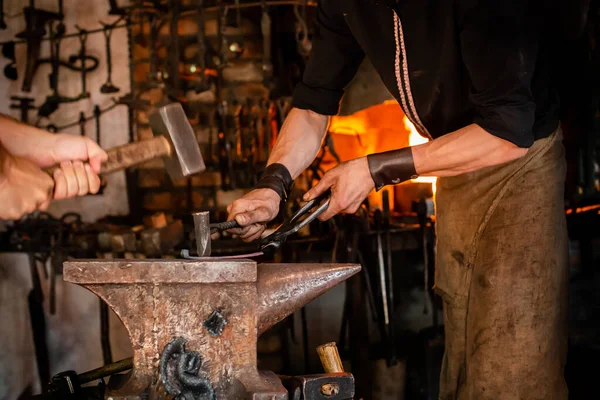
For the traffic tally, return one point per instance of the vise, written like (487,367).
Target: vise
(194,324)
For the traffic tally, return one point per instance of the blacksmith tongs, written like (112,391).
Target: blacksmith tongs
(270,243)
(274,241)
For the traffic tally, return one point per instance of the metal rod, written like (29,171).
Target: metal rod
(63,36)
(386,316)
(107,370)
(105,333)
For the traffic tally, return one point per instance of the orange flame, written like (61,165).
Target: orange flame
(414,139)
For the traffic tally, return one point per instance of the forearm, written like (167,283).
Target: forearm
(19,138)
(465,150)
(299,140)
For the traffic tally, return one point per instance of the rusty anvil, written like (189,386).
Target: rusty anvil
(194,324)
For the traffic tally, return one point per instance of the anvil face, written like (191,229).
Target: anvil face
(218,308)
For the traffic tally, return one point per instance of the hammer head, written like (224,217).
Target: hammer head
(202,232)
(171,122)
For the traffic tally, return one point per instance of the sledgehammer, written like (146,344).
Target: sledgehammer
(174,140)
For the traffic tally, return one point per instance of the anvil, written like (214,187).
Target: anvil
(194,324)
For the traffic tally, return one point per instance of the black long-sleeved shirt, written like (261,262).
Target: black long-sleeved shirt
(449,63)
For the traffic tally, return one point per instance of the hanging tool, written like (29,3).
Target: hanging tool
(265,27)
(422,218)
(203,85)
(81,122)
(82,57)
(97,114)
(2,21)
(225,156)
(174,56)
(10,70)
(38,323)
(108,86)
(140,37)
(388,249)
(174,141)
(236,43)
(35,29)
(386,335)
(222,39)
(154,75)
(391,354)
(304,216)
(55,99)
(24,104)
(115,9)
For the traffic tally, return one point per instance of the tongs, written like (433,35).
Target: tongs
(274,241)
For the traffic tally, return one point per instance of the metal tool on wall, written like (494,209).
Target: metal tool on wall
(2,21)
(203,85)
(174,51)
(108,86)
(224,145)
(55,99)
(82,121)
(115,9)
(82,57)
(10,70)
(386,226)
(265,27)
(24,104)
(97,114)
(35,29)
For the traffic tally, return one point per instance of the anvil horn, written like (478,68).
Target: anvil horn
(283,289)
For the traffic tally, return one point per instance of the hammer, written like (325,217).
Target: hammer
(174,140)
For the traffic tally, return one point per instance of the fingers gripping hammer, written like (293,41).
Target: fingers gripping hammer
(174,140)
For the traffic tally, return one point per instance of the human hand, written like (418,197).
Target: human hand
(24,187)
(64,147)
(350,184)
(252,212)
(80,160)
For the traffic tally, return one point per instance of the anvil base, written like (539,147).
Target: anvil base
(194,325)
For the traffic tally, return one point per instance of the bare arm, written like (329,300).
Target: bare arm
(28,149)
(297,146)
(465,150)
(299,141)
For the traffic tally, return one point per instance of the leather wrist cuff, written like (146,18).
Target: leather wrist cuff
(278,178)
(391,167)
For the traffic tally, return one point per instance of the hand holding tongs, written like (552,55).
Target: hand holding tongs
(295,223)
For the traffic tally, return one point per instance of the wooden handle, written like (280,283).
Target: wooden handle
(330,358)
(131,154)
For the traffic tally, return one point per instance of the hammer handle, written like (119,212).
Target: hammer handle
(330,358)
(131,154)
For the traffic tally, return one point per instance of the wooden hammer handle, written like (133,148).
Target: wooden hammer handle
(131,154)
(330,358)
